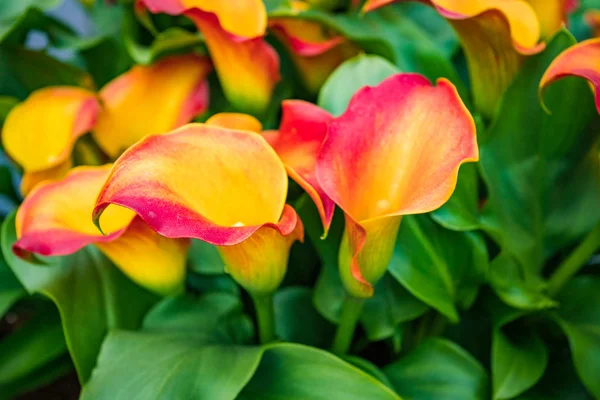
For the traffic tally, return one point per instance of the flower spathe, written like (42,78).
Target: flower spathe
(582,60)
(496,36)
(297,142)
(223,186)
(247,66)
(134,104)
(55,220)
(395,151)
(39,134)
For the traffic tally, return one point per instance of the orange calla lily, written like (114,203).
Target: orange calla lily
(552,15)
(54,220)
(127,109)
(225,187)
(297,143)
(592,18)
(39,134)
(134,103)
(496,36)
(582,60)
(395,151)
(314,53)
(247,66)
(237,121)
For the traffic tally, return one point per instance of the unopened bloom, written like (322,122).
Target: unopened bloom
(247,66)
(54,220)
(395,151)
(223,186)
(496,36)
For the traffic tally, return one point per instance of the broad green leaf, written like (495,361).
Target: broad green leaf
(527,155)
(514,288)
(170,41)
(297,320)
(91,295)
(351,75)
(212,283)
(204,258)
(215,317)
(6,104)
(38,343)
(18,17)
(442,268)
(579,317)
(460,212)
(518,362)
(438,369)
(23,71)
(291,371)
(166,366)
(370,369)
(11,289)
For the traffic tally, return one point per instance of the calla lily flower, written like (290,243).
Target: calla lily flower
(54,220)
(225,187)
(134,104)
(126,109)
(297,142)
(582,60)
(552,15)
(314,51)
(496,36)
(395,151)
(248,67)
(39,134)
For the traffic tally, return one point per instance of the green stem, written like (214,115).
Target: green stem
(350,314)
(265,316)
(575,261)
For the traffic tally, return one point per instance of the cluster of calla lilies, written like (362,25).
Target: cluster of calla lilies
(395,151)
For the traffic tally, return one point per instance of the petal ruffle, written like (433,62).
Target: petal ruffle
(153,261)
(200,181)
(395,151)
(496,36)
(298,141)
(259,264)
(39,133)
(31,179)
(237,121)
(582,60)
(135,103)
(55,218)
(243,18)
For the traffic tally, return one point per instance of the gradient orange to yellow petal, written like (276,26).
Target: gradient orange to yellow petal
(39,133)
(151,100)
(395,151)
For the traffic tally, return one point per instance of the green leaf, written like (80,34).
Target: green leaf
(204,258)
(166,366)
(579,317)
(23,71)
(27,350)
(438,369)
(297,320)
(11,289)
(6,104)
(514,289)
(460,212)
(527,154)
(291,371)
(427,263)
(518,362)
(91,295)
(351,75)
(215,317)
(18,17)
